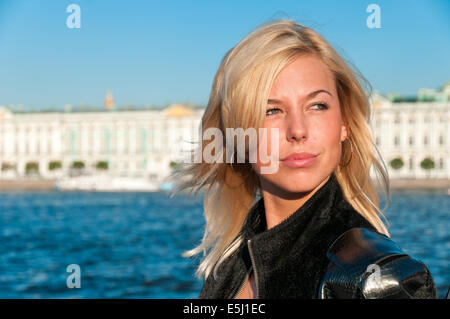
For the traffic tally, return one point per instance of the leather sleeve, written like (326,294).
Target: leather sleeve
(366,264)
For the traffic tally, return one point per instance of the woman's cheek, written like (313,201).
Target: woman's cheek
(269,148)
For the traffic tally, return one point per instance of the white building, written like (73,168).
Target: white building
(412,132)
(143,143)
(131,143)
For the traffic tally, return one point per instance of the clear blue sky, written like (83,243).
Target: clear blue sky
(158,52)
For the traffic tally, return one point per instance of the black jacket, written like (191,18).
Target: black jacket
(323,250)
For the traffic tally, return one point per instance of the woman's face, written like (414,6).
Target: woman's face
(303,104)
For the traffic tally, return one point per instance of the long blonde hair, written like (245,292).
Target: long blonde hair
(238,100)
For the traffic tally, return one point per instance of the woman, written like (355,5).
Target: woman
(311,228)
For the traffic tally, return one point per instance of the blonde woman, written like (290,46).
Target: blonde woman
(311,228)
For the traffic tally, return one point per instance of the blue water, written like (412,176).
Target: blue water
(129,245)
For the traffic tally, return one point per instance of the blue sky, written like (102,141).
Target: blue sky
(159,52)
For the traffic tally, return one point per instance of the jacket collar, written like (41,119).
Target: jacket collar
(294,251)
(290,259)
(316,207)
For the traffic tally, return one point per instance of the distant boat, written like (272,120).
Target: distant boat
(166,187)
(107,184)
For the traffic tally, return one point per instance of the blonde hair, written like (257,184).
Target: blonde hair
(238,99)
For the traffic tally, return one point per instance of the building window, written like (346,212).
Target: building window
(441,140)
(411,163)
(411,140)
(377,140)
(425,140)
(396,140)
(126,140)
(411,120)
(441,163)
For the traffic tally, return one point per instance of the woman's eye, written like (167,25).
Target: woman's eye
(321,106)
(272,111)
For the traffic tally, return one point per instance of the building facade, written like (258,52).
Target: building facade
(409,136)
(118,143)
(412,136)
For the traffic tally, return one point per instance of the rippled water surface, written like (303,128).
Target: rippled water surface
(129,245)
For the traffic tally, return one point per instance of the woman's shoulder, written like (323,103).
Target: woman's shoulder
(367,264)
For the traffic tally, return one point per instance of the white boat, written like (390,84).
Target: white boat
(166,186)
(107,184)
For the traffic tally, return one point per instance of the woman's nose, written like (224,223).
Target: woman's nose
(296,128)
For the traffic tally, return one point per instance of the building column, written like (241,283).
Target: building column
(21,168)
(43,168)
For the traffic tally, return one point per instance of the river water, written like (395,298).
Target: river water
(129,245)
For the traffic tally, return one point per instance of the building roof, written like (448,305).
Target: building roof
(5,113)
(178,110)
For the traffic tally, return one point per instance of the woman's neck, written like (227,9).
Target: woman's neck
(278,208)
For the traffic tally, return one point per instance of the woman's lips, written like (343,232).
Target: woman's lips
(299,161)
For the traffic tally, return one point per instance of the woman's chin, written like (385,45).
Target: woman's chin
(288,189)
(291,183)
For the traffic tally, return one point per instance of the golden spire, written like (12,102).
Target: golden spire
(109,101)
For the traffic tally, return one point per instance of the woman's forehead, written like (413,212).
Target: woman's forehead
(302,77)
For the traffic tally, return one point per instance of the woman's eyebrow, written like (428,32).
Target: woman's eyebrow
(314,93)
